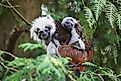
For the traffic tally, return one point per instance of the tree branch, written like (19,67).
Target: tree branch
(14,35)
(8,53)
(8,6)
(12,69)
(16,11)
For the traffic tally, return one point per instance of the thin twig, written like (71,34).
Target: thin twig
(16,11)
(8,6)
(100,77)
(8,53)
(15,15)
(71,77)
(83,3)
(119,75)
(7,67)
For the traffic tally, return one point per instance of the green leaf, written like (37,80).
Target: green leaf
(89,17)
(89,64)
(30,46)
(20,62)
(1,69)
(119,21)
(98,7)
(1,9)
(111,13)
(119,6)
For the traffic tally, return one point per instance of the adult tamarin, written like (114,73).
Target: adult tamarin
(43,29)
(50,33)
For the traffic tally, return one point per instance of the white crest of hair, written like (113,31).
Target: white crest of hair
(67,18)
(44,10)
(40,23)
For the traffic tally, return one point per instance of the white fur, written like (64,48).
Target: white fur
(52,49)
(66,18)
(75,37)
(40,23)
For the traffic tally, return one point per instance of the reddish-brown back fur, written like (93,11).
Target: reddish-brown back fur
(61,34)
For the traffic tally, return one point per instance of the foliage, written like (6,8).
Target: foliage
(30,46)
(89,16)
(48,68)
(103,16)
(42,68)
(1,10)
(98,7)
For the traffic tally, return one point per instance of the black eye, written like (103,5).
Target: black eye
(46,30)
(67,22)
(48,27)
(40,32)
(38,29)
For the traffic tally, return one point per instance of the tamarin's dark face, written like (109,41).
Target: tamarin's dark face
(43,34)
(69,24)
